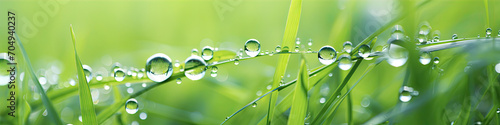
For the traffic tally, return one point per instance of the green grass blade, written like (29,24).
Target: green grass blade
(51,111)
(299,104)
(86,103)
(291,28)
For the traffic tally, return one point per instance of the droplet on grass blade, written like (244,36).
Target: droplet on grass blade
(159,67)
(252,47)
(327,55)
(131,106)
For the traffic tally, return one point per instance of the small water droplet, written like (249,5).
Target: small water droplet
(131,106)
(252,47)
(236,61)
(88,72)
(436,60)
(130,90)
(254,104)
(181,68)
(364,51)
(497,67)
(119,74)
(144,85)
(140,74)
(330,74)
(488,32)
(345,62)
(159,67)
(214,71)
(98,77)
(347,46)
(478,123)
(322,100)
(296,48)
(80,118)
(425,58)
(327,55)
(194,52)
(285,49)
(177,64)
(207,53)
(405,94)
(195,67)
(297,41)
(143,116)
(310,43)
(106,87)
(397,54)
(278,48)
(178,81)
(397,29)
(498,32)
(498,110)
(454,37)
(423,32)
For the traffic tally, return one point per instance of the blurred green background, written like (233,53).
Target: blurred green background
(130,31)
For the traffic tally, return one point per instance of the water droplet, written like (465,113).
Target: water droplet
(364,51)
(254,104)
(322,100)
(80,118)
(115,66)
(330,74)
(347,46)
(119,74)
(269,87)
(423,32)
(345,62)
(236,61)
(454,37)
(194,52)
(327,55)
(405,94)
(425,58)
(131,106)
(478,123)
(144,85)
(297,41)
(398,55)
(214,71)
(436,60)
(397,29)
(98,77)
(296,48)
(498,110)
(195,67)
(88,72)
(497,67)
(488,32)
(310,43)
(140,74)
(134,123)
(130,90)
(106,87)
(285,49)
(45,113)
(365,102)
(143,116)
(207,53)
(498,32)
(252,47)
(159,67)
(177,64)
(278,48)
(178,81)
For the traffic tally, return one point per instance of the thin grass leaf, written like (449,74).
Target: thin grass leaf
(291,28)
(299,104)
(51,111)
(86,103)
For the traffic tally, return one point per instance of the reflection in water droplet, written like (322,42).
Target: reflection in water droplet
(345,62)
(327,55)
(159,67)
(207,53)
(436,60)
(405,94)
(195,68)
(425,58)
(397,54)
(347,46)
(278,48)
(131,106)
(88,72)
(98,77)
(364,51)
(297,48)
(252,47)
(119,74)
(310,43)
(454,37)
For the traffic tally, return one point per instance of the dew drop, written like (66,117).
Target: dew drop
(143,116)
(119,74)
(115,66)
(436,35)
(98,77)
(140,74)
(181,68)
(322,100)
(397,29)
(364,51)
(213,73)
(131,106)
(327,55)
(207,53)
(454,37)
(296,48)
(144,85)
(498,110)
(195,68)
(398,55)
(159,67)
(130,90)
(345,62)
(425,58)
(285,49)
(177,64)
(88,72)
(347,46)
(178,81)
(497,67)
(498,32)
(236,61)
(194,52)
(310,43)
(330,74)
(405,94)
(254,104)
(436,60)
(252,47)
(297,41)
(106,87)
(278,48)
(4,75)
(488,32)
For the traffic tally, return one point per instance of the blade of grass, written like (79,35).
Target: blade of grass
(51,111)
(86,103)
(299,103)
(291,28)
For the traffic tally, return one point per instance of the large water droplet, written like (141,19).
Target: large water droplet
(454,37)
(159,67)
(425,58)
(327,55)
(347,46)
(364,51)
(207,53)
(405,93)
(278,48)
(213,73)
(88,72)
(488,32)
(131,106)
(398,55)
(345,62)
(252,47)
(119,74)
(195,68)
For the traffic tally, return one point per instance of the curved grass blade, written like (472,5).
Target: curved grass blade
(291,28)
(51,111)
(299,103)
